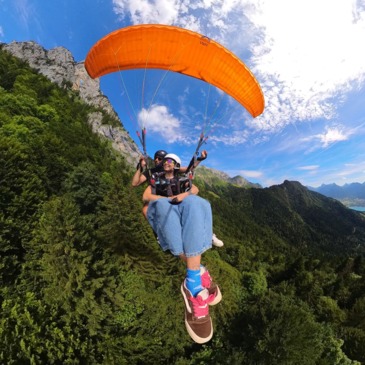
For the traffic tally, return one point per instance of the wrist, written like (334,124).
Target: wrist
(139,167)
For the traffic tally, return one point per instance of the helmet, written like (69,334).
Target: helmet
(160,153)
(175,158)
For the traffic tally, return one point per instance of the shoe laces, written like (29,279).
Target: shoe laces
(200,306)
(206,279)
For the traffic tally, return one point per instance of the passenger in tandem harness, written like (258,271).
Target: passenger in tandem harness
(183,223)
(143,175)
(163,186)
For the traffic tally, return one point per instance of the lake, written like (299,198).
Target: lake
(360,209)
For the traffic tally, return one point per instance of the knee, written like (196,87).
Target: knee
(196,201)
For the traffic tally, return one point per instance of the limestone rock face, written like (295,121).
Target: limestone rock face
(59,66)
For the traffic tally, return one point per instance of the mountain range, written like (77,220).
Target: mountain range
(293,214)
(352,194)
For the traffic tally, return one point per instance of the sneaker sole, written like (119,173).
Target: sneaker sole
(218,298)
(197,339)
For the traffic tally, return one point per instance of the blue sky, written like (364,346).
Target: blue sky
(308,56)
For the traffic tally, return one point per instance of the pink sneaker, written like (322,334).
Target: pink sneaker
(213,288)
(197,319)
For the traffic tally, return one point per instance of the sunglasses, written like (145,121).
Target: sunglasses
(169,161)
(158,158)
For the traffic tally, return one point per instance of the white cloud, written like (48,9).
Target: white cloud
(146,11)
(309,168)
(333,135)
(308,56)
(1,32)
(218,19)
(157,119)
(251,174)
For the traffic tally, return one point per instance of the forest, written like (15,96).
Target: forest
(83,280)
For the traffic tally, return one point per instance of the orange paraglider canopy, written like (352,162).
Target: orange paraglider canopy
(179,50)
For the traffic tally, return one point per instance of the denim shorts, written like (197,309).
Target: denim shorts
(184,228)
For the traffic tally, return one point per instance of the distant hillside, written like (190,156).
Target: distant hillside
(325,222)
(349,194)
(214,177)
(296,215)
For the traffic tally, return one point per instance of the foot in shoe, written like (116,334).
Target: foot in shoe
(197,319)
(216,241)
(213,288)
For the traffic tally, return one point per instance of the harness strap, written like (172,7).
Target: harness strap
(160,185)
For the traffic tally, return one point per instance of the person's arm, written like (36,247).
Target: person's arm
(139,177)
(148,196)
(201,158)
(180,197)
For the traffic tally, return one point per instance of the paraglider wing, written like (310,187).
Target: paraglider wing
(178,50)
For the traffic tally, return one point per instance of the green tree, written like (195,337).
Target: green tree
(276,330)
(85,186)
(255,283)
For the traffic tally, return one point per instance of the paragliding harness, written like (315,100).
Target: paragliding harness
(169,187)
(179,183)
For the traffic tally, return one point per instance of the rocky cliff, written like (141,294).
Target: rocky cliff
(60,67)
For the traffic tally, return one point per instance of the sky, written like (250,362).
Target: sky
(307,55)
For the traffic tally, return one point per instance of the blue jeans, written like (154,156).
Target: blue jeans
(184,228)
